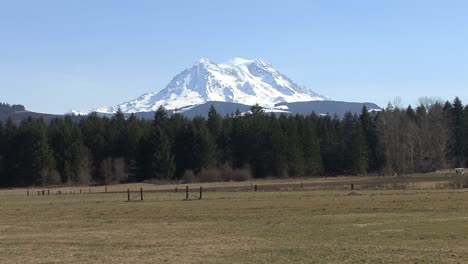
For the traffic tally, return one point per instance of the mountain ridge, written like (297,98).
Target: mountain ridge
(330,108)
(238,80)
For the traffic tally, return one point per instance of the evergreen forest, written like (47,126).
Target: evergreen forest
(106,150)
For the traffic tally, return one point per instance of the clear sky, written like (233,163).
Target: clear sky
(57,55)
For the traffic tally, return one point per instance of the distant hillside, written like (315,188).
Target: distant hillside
(330,108)
(7,108)
(18,113)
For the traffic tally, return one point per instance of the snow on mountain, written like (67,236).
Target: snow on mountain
(76,113)
(238,81)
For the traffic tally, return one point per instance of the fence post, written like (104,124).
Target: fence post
(352,186)
(176,189)
(201,193)
(186,192)
(38,193)
(43,192)
(28,193)
(255,187)
(128,194)
(80,191)
(48,192)
(141,193)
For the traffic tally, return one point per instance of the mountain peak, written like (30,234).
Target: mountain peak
(239,61)
(239,80)
(204,61)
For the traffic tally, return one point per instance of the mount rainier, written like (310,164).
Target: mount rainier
(240,81)
(235,85)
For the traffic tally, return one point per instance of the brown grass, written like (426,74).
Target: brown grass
(419,181)
(334,226)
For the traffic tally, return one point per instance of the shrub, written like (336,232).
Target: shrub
(189,177)
(50,177)
(113,170)
(210,175)
(241,175)
(230,174)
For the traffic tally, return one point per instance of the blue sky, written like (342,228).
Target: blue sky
(59,55)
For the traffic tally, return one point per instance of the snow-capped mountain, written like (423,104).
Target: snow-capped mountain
(237,81)
(76,113)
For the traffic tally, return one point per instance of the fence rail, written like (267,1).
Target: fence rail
(197,192)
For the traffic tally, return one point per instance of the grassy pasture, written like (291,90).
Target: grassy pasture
(309,226)
(413,181)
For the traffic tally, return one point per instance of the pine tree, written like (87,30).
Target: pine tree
(135,133)
(205,145)
(410,112)
(71,156)
(370,134)
(95,137)
(225,148)
(313,163)
(118,135)
(35,160)
(2,154)
(355,147)
(279,150)
(184,146)
(160,118)
(215,127)
(162,161)
(258,144)
(256,110)
(214,123)
(458,142)
(163,166)
(331,144)
(465,133)
(294,149)
(10,154)
(143,158)
(239,142)
(115,167)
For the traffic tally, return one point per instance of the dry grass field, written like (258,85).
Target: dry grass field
(302,226)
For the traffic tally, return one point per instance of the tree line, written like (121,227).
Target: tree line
(102,150)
